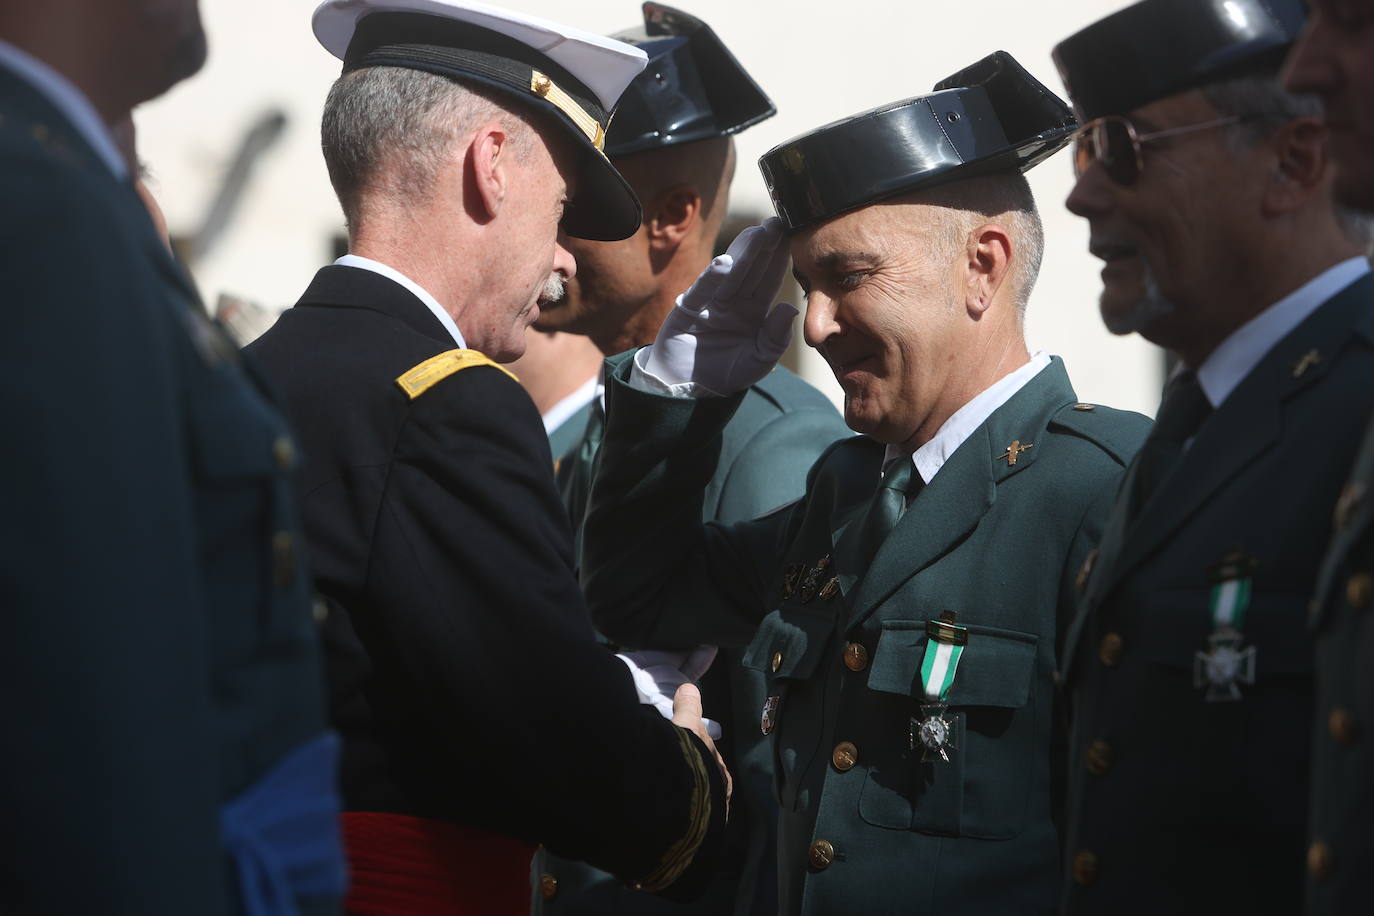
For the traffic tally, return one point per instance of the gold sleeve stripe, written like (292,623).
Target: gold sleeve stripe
(679,856)
(437,368)
(550,92)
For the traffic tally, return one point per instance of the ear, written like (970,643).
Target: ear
(672,217)
(1301,165)
(489,169)
(987,262)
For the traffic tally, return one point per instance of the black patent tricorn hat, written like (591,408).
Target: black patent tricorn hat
(693,88)
(992,116)
(1158,48)
(574,78)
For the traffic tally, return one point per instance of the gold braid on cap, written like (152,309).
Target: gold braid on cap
(548,90)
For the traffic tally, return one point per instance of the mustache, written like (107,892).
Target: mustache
(555,288)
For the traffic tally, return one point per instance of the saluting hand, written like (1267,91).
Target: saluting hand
(687,714)
(722,336)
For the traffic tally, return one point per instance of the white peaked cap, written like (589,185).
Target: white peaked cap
(604,65)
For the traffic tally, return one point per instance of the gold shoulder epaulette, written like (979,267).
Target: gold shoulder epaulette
(437,368)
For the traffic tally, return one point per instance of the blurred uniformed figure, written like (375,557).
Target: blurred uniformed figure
(560,372)
(672,139)
(1207,191)
(908,652)
(1334,58)
(165,749)
(478,712)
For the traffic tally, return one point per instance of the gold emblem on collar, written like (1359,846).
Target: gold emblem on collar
(1308,360)
(1013,450)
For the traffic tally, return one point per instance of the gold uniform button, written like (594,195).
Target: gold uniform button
(283,558)
(1084,868)
(1321,861)
(844,756)
(1099,757)
(548,886)
(855,657)
(1084,407)
(776,663)
(1359,589)
(1110,650)
(284,452)
(1342,726)
(822,854)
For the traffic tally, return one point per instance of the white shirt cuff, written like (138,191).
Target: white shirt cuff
(641,379)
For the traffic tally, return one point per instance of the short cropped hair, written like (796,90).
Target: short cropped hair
(1004,197)
(1266,106)
(387,131)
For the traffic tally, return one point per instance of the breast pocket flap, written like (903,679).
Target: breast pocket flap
(995,668)
(789,644)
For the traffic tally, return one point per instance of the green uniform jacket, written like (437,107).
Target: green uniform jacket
(782,426)
(1341,850)
(865,826)
(1179,805)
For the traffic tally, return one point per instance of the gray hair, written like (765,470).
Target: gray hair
(1266,106)
(387,131)
(1006,197)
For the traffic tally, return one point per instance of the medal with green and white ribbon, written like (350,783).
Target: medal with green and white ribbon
(1226,664)
(933,732)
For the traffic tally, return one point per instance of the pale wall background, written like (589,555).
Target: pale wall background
(819,62)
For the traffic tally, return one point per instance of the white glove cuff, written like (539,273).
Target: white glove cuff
(663,379)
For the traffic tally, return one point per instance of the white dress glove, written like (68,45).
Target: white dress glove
(658,675)
(722,337)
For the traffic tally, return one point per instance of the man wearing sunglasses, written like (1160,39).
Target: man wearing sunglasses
(1207,189)
(1334,59)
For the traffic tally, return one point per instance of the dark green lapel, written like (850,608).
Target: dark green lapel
(1248,423)
(951,505)
(568,435)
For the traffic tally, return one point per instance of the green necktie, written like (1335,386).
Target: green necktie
(575,475)
(889,501)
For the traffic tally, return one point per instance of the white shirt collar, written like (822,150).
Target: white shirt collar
(67,99)
(932,456)
(377,267)
(559,413)
(1230,363)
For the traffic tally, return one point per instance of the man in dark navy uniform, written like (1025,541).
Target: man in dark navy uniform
(673,140)
(479,714)
(165,751)
(1334,59)
(1208,193)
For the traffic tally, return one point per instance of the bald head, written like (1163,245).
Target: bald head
(623,290)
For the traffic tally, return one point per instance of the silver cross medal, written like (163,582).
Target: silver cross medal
(1224,666)
(933,733)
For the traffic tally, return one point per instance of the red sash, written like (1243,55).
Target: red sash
(412,866)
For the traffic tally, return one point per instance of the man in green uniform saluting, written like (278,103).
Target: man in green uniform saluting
(907,610)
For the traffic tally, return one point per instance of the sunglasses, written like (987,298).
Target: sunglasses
(1113,141)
